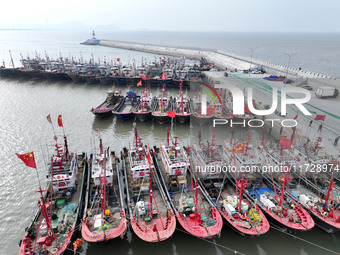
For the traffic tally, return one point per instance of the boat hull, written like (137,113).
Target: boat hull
(202,120)
(91,79)
(104,235)
(123,116)
(182,118)
(193,227)
(143,116)
(76,78)
(154,235)
(104,114)
(325,224)
(258,230)
(161,119)
(106,80)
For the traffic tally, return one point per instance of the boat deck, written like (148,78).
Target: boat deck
(183,201)
(64,206)
(139,192)
(112,209)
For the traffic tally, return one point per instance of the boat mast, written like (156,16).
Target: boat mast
(10,53)
(263,133)
(284,182)
(247,144)
(330,187)
(43,208)
(103,190)
(162,97)
(167,137)
(101,145)
(192,182)
(241,184)
(175,143)
(293,134)
(181,97)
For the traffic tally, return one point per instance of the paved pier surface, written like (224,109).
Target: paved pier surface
(230,61)
(262,93)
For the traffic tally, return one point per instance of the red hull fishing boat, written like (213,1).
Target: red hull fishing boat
(200,115)
(182,107)
(193,210)
(144,110)
(104,214)
(322,206)
(151,216)
(53,227)
(242,215)
(163,107)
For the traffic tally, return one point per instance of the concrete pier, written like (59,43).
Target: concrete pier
(226,60)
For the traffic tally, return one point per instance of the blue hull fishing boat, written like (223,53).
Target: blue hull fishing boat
(128,105)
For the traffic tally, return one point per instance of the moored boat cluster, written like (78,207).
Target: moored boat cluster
(154,188)
(171,71)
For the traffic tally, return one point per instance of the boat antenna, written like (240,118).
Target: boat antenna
(10,53)
(167,137)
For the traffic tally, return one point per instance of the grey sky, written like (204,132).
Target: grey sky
(195,15)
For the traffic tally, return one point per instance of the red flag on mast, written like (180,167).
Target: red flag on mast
(139,84)
(148,157)
(143,77)
(28,159)
(171,114)
(60,122)
(285,142)
(49,118)
(320,117)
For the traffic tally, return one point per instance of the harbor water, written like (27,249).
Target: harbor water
(24,128)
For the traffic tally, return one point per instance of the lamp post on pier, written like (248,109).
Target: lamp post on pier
(287,67)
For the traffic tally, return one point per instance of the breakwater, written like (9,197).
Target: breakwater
(223,60)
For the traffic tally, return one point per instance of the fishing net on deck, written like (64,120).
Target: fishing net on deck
(210,222)
(69,208)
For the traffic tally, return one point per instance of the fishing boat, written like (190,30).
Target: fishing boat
(182,107)
(198,115)
(221,111)
(104,213)
(124,111)
(238,117)
(242,215)
(151,216)
(281,210)
(243,155)
(144,109)
(105,109)
(314,153)
(105,76)
(181,77)
(90,75)
(162,106)
(53,227)
(193,210)
(322,206)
